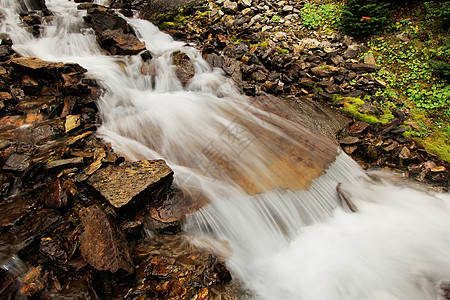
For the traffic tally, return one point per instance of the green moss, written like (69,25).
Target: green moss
(264,44)
(282,51)
(351,108)
(437,144)
(166,25)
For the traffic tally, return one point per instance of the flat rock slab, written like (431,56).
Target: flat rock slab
(102,244)
(39,68)
(133,184)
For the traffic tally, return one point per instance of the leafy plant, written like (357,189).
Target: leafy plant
(318,15)
(364,17)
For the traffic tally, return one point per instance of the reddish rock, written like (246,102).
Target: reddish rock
(102,244)
(358,128)
(34,282)
(54,196)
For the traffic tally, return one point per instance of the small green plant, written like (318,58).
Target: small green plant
(364,17)
(282,51)
(276,19)
(316,15)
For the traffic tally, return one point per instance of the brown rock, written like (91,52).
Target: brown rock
(121,43)
(5,96)
(72,122)
(54,196)
(133,184)
(358,128)
(348,140)
(31,229)
(29,85)
(438,169)
(404,153)
(184,67)
(34,282)
(364,68)
(53,249)
(324,71)
(65,163)
(102,244)
(17,162)
(16,210)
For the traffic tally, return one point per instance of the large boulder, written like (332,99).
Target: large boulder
(113,33)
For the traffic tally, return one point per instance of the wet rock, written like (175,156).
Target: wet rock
(222,272)
(117,42)
(404,153)
(369,59)
(53,249)
(54,196)
(364,68)
(368,108)
(17,162)
(72,122)
(230,7)
(184,67)
(32,228)
(29,85)
(34,282)
(358,128)
(65,163)
(113,33)
(146,55)
(324,71)
(36,4)
(5,52)
(233,68)
(37,68)
(16,210)
(5,96)
(346,199)
(102,244)
(133,184)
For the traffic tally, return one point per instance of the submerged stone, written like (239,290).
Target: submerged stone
(133,184)
(15,211)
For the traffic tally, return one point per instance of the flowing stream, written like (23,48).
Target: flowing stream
(270,184)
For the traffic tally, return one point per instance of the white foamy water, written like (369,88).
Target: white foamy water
(282,243)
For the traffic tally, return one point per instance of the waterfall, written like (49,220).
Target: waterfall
(270,184)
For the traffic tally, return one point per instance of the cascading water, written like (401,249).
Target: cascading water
(269,196)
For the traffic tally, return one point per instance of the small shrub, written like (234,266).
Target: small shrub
(364,17)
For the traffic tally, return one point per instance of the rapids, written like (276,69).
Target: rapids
(270,184)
